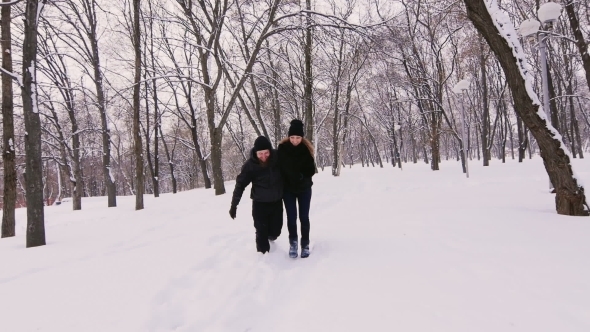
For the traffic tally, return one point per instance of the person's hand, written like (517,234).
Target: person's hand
(232,211)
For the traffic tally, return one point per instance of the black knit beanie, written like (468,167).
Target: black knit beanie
(262,143)
(296,128)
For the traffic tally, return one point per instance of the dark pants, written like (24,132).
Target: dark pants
(291,201)
(268,221)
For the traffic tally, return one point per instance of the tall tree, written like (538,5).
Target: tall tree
(206,22)
(190,116)
(501,36)
(308,76)
(34,164)
(139,173)
(56,70)
(8,155)
(485,122)
(156,165)
(81,16)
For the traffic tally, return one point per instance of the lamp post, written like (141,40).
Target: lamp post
(548,13)
(460,88)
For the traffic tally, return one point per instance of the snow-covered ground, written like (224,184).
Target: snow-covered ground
(392,250)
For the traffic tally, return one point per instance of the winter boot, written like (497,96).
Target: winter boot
(293,248)
(304,250)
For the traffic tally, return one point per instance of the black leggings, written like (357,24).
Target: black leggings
(268,221)
(291,200)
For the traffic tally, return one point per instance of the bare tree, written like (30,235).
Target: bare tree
(349,61)
(485,104)
(56,69)
(169,158)
(570,198)
(190,116)
(139,172)
(8,142)
(83,19)
(34,170)
(206,20)
(150,130)
(308,77)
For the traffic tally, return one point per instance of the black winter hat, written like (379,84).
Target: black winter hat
(262,143)
(296,128)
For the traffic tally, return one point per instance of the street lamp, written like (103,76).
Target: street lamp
(460,88)
(548,13)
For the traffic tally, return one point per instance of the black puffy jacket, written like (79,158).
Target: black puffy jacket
(297,166)
(267,184)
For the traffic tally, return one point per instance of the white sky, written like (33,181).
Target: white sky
(410,250)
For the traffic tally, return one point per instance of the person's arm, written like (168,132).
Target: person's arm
(242,181)
(308,166)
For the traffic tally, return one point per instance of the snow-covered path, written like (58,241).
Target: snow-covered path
(410,250)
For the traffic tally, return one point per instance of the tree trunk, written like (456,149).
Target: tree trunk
(77,182)
(147,125)
(156,175)
(402,148)
(335,141)
(521,140)
(390,146)
(308,78)
(139,176)
(576,128)
(434,141)
(170,161)
(201,159)
(8,155)
(570,198)
(485,121)
(276,104)
(216,140)
(101,104)
(396,155)
(336,128)
(34,163)
(195,136)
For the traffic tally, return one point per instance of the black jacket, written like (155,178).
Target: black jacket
(267,184)
(297,166)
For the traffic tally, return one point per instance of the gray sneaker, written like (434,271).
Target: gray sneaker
(305,251)
(293,248)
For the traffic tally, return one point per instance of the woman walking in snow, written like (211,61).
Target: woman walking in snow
(262,170)
(296,160)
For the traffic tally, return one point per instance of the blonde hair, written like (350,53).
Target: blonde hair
(304,141)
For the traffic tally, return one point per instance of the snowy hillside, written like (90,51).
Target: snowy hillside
(392,250)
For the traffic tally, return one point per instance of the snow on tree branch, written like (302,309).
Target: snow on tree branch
(14,76)
(508,32)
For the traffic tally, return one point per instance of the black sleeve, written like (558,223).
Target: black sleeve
(308,166)
(242,181)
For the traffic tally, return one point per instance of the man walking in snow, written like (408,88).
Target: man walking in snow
(262,170)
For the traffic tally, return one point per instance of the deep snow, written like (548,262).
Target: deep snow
(410,250)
